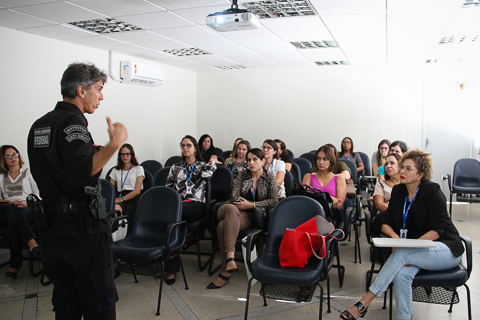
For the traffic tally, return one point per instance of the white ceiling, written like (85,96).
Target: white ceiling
(368,32)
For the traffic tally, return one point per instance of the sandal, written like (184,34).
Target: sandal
(360,307)
(214,286)
(231,270)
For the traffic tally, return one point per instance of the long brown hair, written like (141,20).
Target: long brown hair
(3,165)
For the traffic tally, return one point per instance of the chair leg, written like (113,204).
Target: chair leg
(469,304)
(183,272)
(451,197)
(390,311)
(248,297)
(357,245)
(160,289)
(320,312)
(133,272)
(328,295)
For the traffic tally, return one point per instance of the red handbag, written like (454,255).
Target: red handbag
(299,244)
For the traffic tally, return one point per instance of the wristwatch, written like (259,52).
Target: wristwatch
(123,198)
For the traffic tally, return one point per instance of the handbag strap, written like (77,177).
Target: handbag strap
(322,248)
(329,235)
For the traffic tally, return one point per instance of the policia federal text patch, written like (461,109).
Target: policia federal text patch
(42,138)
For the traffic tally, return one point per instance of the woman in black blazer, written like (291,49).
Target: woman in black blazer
(417,210)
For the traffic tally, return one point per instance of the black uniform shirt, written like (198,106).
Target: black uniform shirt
(60,150)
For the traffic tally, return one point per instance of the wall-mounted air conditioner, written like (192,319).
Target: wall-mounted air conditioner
(142,74)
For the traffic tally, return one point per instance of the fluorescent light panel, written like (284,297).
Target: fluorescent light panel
(105,26)
(279,8)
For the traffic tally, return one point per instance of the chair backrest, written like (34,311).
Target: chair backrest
(304,166)
(296,173)
(218,151)
(466,173)
(107,175)
(151,166)
(225,154)
(221,184)
(160,179)
(290,213)
(309,156)
(108,192)
(148,181)
(353,169)
(288,182)
(172,160)
(157,208)
(222,160)
(290,153)
(367,171)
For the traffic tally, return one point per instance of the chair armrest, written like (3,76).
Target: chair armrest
(368,227)
(110,214)
(183,236)
(118,222)
(449,177)
(468,249)
(251,239)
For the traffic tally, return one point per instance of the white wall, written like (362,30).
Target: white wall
(32,67)
(308,108)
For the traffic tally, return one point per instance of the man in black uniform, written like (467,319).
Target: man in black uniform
(76,248)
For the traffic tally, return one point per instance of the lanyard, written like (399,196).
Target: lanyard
(348,158)
(405,213)
(254,190)
(189,176)
(237,165)
(122,182)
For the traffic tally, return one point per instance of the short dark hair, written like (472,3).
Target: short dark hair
(351,150)
(133,159)
(285,157)
(202,138)
(329,153)
(3,165)
(80,74)
(198,153)
(379,155)
(396,156)
(272,143)
(403,146)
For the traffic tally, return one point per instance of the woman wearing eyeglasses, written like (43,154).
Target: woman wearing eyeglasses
(398,147)
(274,165)
(347,153)
(189,178)
(16,183)
(127,177)
(378,157)
(417,210)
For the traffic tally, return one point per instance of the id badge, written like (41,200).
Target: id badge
(188,189)
(403,233)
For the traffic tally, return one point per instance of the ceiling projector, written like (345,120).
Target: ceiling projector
(233,19)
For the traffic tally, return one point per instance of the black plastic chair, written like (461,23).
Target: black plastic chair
(218,151)
(151,166)
(157,235)
(451,279)
(160,179)
(288,182)
(304,165)
(289,213)
(296,173)
(108,193)
(367,171)
(148,181)
(353,169)
(466,178)
(366,181)
(290,153)
(107,175)
(309,156)
(172,160)
(225,154)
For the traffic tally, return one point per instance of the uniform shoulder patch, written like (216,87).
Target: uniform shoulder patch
(42,137)
(77,132)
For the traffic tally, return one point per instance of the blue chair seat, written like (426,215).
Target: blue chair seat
(138,248)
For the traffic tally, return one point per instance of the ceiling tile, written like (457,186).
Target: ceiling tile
(263,42)
(344,7)
(191,32)
(115,8)
(182,4)
(308,28)
(164,45)
(156,20)
(213,44)
(199,15)
(139,36)
(98,42)
(323,54)
(15,20)
(21,3)
(60,12)
(60,32)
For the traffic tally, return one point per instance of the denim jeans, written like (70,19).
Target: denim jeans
(395,269)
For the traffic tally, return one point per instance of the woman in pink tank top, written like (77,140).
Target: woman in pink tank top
(324,179)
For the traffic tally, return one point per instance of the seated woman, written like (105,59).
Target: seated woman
(253,187)
(189,178)
(274,165)
(234,148)
(383,189)
(283,154)
(16,183)
(378,157)
(207,149)
(127,177)
(239,163)
(347,153)
(423,205)
(324,179)
(398,147)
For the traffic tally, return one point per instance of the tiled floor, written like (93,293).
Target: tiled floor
(24,298)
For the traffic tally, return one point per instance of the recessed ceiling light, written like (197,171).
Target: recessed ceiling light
(186,52)
(471,3)
(279,8)
(331,63)
(314,44)
(105,25)
(231,67)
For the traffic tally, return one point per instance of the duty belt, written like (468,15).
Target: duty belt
(68,211)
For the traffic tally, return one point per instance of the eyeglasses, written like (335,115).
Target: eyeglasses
(125,154)
(188,146)
(268,148)
(386,148)
(407,169)
(12,156)
(346,142)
